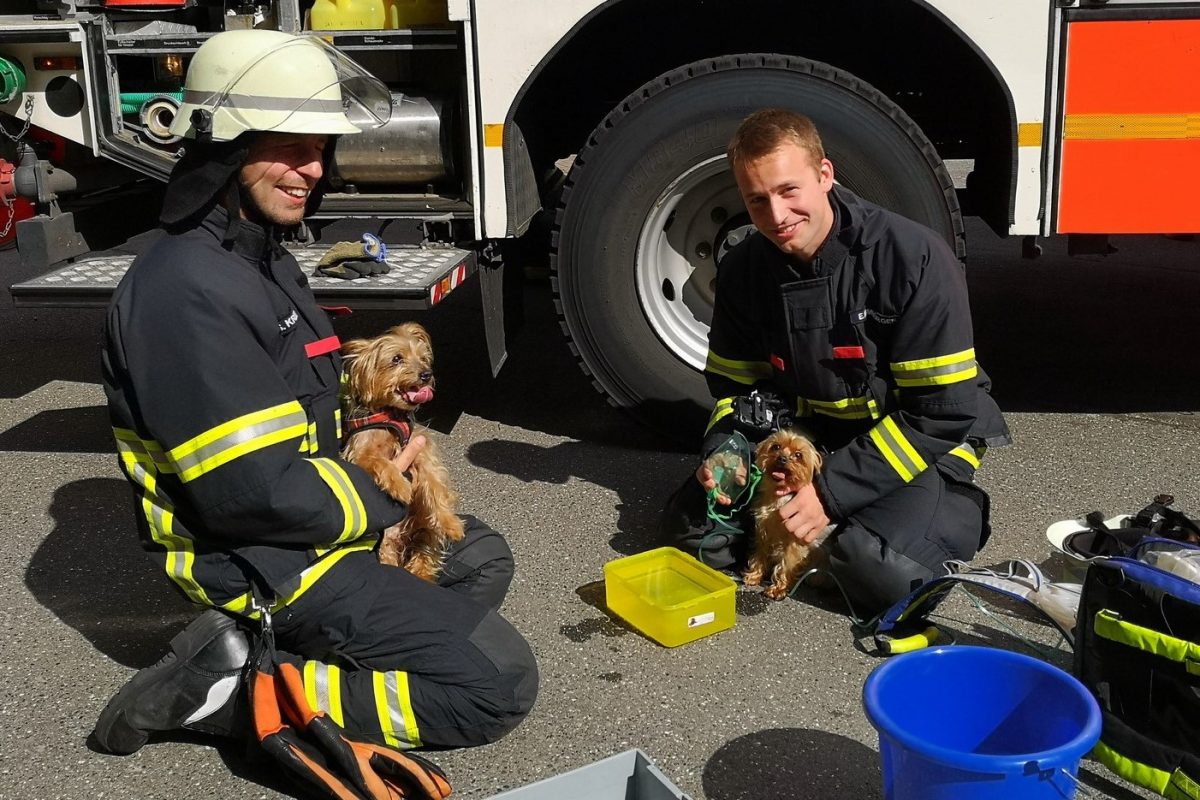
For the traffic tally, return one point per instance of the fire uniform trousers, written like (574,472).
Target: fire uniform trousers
(222,376)
(871,346)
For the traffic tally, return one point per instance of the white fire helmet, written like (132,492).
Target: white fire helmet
(263,80)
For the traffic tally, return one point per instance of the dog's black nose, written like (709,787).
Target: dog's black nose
(425,377)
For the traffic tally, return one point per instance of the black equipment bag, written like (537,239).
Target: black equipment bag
(1137,649)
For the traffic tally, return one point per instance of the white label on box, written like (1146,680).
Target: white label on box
(701,619)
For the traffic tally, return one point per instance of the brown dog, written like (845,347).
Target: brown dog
(388,377)
(787,460)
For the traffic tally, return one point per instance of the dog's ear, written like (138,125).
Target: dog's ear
(354,348)
(760,452)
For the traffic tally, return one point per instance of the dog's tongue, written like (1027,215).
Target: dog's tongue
(422,395)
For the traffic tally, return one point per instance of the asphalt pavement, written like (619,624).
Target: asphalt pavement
(1093,361)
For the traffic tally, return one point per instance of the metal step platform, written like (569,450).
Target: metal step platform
(420,277)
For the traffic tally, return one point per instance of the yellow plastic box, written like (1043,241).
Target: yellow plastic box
(669,596)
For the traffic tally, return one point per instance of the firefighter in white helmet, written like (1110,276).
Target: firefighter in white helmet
(222,377)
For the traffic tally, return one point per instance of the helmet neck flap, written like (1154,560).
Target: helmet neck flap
(203,177)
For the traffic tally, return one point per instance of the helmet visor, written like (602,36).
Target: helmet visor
(304,85)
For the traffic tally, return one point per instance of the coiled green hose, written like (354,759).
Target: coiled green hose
(12,79)
(132,102)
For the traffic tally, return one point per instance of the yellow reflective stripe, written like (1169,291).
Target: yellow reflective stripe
(312,437)
(304,581)
(318,569)
(493,134)
(1109,625)
(897,450)
(886,450)
(937,371)
(180,551)
(723,408)
(394,708)
(353,512)
(936,361)
(179,555)
(1135,771)
(845,408)
(1029,134)
(1182,787)
(1116,127)
(323,689)
(144,451)
(229,440)
(906,445)
(337,423)
(747,372)
(238,605)
(967,454)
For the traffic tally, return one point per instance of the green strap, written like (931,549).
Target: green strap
(721,523)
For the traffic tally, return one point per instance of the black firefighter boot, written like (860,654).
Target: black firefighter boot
(196,686)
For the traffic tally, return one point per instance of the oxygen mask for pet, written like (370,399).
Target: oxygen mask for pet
(733,469)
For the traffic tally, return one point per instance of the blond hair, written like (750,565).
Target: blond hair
(765,131)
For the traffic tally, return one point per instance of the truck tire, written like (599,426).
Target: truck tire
(649,195)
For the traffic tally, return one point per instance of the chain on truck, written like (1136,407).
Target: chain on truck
(595,130)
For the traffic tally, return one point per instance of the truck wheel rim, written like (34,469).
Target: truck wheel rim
(676,256)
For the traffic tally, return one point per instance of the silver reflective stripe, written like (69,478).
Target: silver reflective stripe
(141,451)
(963,370)
(343,488)
(392,703)
(194,462)
(895,447)
(967,453)
(246,102)
(323,690)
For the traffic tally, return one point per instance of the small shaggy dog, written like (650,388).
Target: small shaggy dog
(388,377)
(786,460)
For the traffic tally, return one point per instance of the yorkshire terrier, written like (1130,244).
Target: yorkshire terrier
(788,461)
(387,378)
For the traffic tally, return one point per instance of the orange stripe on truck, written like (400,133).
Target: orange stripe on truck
(1131,106)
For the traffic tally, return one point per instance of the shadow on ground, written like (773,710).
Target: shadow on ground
(641,479)
(1086,334)
(792,764)
(62,430)
(92,574)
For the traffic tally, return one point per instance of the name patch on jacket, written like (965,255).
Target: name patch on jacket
(287,323)
(881,319)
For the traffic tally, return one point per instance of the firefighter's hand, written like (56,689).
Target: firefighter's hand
(405,458)
(704,474)
(804,516)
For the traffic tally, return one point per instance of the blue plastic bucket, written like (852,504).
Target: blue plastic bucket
(975,723)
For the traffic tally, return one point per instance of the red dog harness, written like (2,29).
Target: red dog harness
(381,420)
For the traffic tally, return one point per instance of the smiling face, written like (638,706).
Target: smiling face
(278,175)
(787,195)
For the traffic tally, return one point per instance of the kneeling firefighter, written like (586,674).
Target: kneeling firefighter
(222,379)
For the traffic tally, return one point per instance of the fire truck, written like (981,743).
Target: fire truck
(594,131)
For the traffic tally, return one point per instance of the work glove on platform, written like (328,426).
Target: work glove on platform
(317,752)
(351,260)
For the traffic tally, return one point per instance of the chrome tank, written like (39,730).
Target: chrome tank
(414,147)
